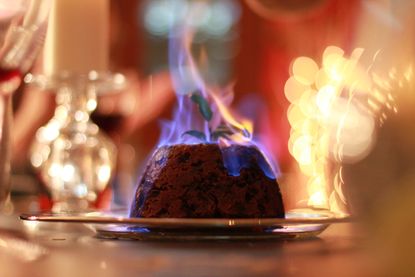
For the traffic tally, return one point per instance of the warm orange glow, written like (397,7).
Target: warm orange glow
(304,70)
(332,116)
(245,126)
(294,89)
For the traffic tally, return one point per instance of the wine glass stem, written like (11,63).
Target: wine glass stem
(5,149)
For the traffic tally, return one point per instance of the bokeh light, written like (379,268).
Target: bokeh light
(333,115)
(213,19)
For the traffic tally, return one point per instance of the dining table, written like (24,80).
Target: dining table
(73,249)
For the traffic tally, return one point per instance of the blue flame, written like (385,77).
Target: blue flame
(235,160)
(187,80)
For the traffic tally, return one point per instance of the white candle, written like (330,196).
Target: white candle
(36,13)
(77,38)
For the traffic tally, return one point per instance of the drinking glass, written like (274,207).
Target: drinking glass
(23,26)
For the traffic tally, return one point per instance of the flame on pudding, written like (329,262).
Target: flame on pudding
(188,81)
(203,114)
(333,113)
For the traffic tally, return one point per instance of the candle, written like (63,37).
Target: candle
(77,38)
(36,13)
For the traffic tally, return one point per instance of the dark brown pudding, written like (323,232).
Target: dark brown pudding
(193,181)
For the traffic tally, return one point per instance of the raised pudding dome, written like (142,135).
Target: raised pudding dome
(199,181)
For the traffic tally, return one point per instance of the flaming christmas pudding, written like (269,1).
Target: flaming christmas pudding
(207,164)
(208,175)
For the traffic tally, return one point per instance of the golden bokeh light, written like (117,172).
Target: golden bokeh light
(333,114)
(304,70)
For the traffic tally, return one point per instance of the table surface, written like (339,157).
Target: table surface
(58,249)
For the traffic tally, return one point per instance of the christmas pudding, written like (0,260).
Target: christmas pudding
(207,180)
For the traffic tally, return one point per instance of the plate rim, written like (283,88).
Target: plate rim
(294,217)
(283,233)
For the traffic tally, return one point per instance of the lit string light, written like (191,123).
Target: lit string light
(333,113)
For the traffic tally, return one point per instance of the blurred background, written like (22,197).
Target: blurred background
(250,44)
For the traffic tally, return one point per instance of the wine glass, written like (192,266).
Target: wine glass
(22,30)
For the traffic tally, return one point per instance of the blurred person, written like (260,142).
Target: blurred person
(381,186)
(273,34)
